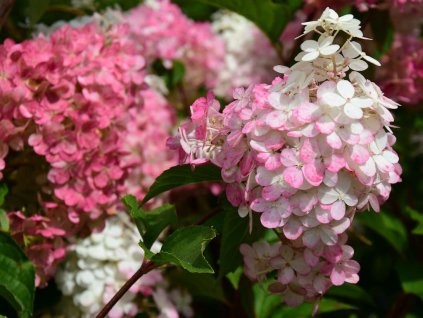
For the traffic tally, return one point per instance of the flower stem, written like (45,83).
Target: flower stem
(144,269)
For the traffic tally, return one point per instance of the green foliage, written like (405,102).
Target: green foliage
(17,276)
(418,217)
(353,294)
(386,225)
(4,221)
(195,10)
(150,224)
(185,248)
(173,76)
(198,285)
(411,277)
(182,175)
(234,231)
(268,305)
(270,16)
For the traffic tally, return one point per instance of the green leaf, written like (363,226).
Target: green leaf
(383,31)
(411,277)
(352,293)
(4,221)
(156,221)
(270,16)
(185,248)
(387,226)
(195,10)
(135,212)
(151,223)
(3,192)
(264,302)
(234,231)
(418,217)
(35,10)
(17,276)
(327,305)
(177,74)
(198,285)
(182,175)
(235,277)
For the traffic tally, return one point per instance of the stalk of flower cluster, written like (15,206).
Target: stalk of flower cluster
(305,152)
(145,268)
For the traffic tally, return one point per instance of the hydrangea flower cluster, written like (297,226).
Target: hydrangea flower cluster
(164,32)
(402,74)
(306,153)
(97,266)
(248,59)
(79,100)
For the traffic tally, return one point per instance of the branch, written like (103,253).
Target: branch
(144,269)
(5,8)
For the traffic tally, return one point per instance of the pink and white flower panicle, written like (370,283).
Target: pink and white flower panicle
(306,152)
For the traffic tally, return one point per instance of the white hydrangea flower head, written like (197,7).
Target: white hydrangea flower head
(97,266)
(249,55)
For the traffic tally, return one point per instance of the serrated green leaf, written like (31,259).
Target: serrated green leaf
(182,175)
(185,248)
(387,226)
(150,224)
(17,276)
(411,277)
(270,16)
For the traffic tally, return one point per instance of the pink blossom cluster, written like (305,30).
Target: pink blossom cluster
(45,242)
(402,74)
(163,32)
(306,152)
(79,100)
(303,273)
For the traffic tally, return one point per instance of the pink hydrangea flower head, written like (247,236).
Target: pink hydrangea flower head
(306,152)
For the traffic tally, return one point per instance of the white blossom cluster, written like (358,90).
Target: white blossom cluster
(249,55)
(98,266)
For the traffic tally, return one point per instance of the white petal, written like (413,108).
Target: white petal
(346,89)
(358,65)
(309,46)
(352,111)
(350,200)
(333,99)
(310,56)
(370,59)
(327,195)
(329,50)
(390,156)
(362,102)
(345,18)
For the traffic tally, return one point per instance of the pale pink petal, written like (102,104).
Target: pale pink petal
(337,210)
(334,141)
(294,177)
(292,229)
(337,276)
